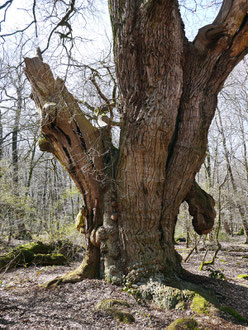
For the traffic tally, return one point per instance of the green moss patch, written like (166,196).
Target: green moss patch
(111,303)
(243,276)
(200,305)
(114,307)
(35,253)
(234,314)
(35,247)
(181,324)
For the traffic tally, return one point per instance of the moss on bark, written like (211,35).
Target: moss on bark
(44,145)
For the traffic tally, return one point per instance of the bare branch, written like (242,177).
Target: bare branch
(17,31)
(63,22)
(6,4)
(35,20)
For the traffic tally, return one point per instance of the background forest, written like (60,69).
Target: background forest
(37,197)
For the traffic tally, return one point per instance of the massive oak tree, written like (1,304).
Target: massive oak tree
(168,96)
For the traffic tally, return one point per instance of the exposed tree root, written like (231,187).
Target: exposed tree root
(89,268)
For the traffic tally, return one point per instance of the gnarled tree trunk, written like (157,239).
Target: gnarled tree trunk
(169,90)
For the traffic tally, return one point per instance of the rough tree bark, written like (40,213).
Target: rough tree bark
(169,89)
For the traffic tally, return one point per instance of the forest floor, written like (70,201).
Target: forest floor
(24,304)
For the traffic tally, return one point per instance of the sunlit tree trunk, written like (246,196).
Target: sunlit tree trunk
(14,139)
(1,138)
(168,88)
(32,163)
(22,231)
(238,204)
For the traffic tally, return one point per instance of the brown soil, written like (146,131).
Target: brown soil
(26,305)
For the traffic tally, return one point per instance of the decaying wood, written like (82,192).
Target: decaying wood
(72,138)
(79,146)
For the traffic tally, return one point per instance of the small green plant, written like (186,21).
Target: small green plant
(131,290)
(216,273)
(240,232)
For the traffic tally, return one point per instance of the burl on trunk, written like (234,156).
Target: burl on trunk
(168,87)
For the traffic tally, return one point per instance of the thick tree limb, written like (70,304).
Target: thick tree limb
(69,135)
(80,147)
(216,50)
(229,31)
(201,207)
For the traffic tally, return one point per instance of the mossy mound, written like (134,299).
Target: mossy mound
(114,308)
(181,324)
(35,247)
(52,259)
(71,251)
(111,303)
(35,253)
(200,305)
